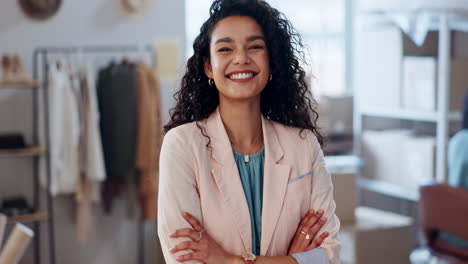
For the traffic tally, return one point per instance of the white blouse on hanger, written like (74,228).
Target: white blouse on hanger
(95,169)
(64,132)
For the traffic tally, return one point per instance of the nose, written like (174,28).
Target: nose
(242,57)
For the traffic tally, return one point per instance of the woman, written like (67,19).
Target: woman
(458,169)
(241,163)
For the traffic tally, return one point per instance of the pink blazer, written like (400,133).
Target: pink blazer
(206,183)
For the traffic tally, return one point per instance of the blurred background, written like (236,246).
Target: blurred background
(389,76)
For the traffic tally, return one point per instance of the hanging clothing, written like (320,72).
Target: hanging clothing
(85,199)
(149,139)
(116,92)
(93,159)
(64,132)
(92,171)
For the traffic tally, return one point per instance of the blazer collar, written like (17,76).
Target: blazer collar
(227,178)
(221,146)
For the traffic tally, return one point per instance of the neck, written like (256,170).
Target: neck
(243,124)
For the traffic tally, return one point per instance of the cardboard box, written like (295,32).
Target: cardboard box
(382,155)
(418,162)
(460,40)
(336,114)
(376,237)
(345,196)
(419,83)
(458,83)
(398,157)
(377,66)
(420,90)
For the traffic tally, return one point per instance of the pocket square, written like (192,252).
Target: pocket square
(300,177)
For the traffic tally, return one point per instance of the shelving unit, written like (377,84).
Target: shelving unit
(407,114)
(41,61)
(441,117)
(388,189)
(23,152)
(39,216)
(34,152)
(20,84)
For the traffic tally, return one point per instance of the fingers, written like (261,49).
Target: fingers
(318,241)
(186,245)
(200,256)
(186,232)
(312,224)
(196,234)
(316,227)
(193,221)
(312,221)
(300,241)
(304,221)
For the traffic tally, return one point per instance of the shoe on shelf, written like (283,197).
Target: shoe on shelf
(6,68)
(17,69)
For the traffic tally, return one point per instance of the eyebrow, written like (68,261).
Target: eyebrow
(230,40)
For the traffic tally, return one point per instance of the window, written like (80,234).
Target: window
(322,27)
(196,12)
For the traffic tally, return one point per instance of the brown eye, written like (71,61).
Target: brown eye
(224,50)
(256,47)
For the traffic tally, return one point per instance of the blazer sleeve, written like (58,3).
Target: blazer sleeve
(177,192)
(322,198)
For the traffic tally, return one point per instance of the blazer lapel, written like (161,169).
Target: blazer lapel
(275,182)
(226,176)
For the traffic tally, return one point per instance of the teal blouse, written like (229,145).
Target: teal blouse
(458,176)
(251,174)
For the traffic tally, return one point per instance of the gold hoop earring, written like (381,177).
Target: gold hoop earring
(271,77)
(210,82)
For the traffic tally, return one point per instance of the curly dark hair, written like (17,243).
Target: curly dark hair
(286,99)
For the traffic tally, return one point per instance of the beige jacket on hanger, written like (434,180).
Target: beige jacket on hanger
(149,138)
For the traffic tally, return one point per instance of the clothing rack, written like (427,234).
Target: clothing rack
(41,61)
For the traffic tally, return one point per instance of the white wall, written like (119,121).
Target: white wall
(84,22)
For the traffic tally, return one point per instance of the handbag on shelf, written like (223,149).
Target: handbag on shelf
(15,206)
(12,141)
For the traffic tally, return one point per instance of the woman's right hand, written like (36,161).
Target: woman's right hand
(308,228)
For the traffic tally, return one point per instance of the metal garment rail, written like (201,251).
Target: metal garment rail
(40,62)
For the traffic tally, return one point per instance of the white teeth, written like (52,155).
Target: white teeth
(239,76)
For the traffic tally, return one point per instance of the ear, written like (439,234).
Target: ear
(207,68)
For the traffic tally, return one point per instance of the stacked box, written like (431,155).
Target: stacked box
(420,83)
(376,237)
(399,157)
(384,61)
(382,155)
(344,193)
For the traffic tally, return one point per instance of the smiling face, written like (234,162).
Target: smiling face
(238,61)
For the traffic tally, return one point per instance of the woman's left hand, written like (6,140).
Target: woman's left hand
(204,248)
